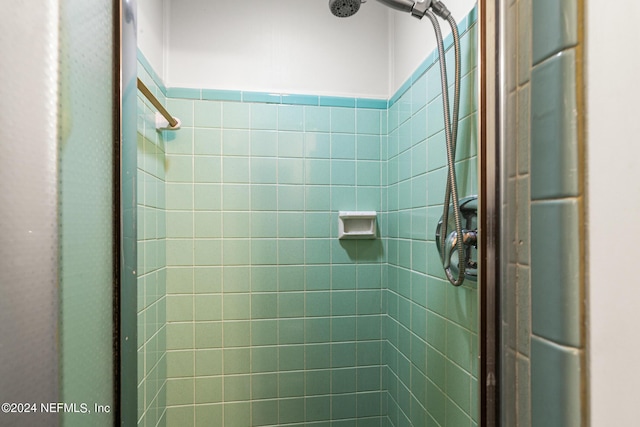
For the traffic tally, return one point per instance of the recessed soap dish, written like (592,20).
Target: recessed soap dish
(357,225)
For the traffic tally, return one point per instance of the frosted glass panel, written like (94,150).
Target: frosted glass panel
(28,209)
(86,208)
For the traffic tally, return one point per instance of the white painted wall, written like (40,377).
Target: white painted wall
(613,210)
(151,32)
(413,39)
(288,46)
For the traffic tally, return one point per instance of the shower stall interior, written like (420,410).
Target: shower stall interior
(251,310)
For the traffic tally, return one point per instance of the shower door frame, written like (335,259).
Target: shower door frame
(490,107)
(125,211)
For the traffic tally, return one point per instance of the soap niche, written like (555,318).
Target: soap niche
(357,225)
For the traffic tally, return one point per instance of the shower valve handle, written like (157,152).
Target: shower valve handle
(469,238)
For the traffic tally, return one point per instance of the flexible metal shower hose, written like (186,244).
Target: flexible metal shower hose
(451,133)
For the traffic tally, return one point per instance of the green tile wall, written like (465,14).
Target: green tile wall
(542,302)
(271,319)
(430,327)
(151,271)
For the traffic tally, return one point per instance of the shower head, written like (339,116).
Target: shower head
(344,8)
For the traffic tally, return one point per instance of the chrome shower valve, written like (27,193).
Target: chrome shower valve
(449,251)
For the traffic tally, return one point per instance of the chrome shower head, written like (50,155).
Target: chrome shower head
(344,8)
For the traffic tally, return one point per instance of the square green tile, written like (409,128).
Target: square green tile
(343,328)
(179,336)
(368,328)
(237,413)
(290,278)
(318,304)
(317,356)
(237,334)
(204,197)
(206,224)
(291,410)
(236,279)
(236,115)
(317,251)
(317,119)
(343,355)
(236,361)
(555,288)
(554,140)
(236,197)
(291,357)
(291,144)
(264,332)
(264,116)
(264,170)
(236,252)
(317,171)
(264,412)
(291,197)
(207,169)
(180,391)
(343,406)
(206,415)
(290,117)
(207,114)
(556,384)
(290,331)
(291,384)
(291,224)
(208,390)
(180,308)
(318,408)
(264,306)
(180,364)
(290,304)
(317,330)
(290,251)
(317,145)
(207,252)
(264,197)
(208,335)
(317,382)
(343,380)
(343,303)
(343,172)
(264,386)
(317,198)
(264,278)
(264,359)
(180,414)
(264,143)
(207,362)
(236,170)
(343,120)
(369,353)
(208,307)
